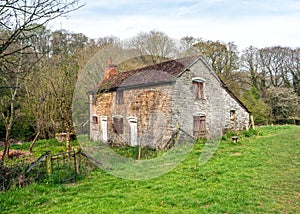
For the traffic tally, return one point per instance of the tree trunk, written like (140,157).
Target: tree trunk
(68,145)
(33,142)
(6,145)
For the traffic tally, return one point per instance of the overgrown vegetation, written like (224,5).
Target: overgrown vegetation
(257,175)
(148,152)
(42,146)
(265,79)
(13,171)
(244,133)
(133,152)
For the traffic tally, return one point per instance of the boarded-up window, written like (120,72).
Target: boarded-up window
(198,89)
(199,126)
(118,125)
(119,97)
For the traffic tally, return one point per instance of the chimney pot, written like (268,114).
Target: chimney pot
(110,69)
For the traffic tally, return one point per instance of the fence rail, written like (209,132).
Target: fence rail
(61,167)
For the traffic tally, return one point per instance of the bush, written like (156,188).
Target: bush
(21,130)
(13,175)
(229,134)
(249,133)
(244,133)
(256,105)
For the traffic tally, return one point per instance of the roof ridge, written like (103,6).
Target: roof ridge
(165,71)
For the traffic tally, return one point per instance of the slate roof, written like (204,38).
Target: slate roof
(164,72)
(154,74)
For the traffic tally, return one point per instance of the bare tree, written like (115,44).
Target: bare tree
(222,57)
(273,63)
(18,21)
(294,69)
(187,42)
(155,44)
(285,104)
(8,103)
(20,17)
(40,103)
(250,63)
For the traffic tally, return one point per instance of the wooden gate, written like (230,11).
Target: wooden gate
(62,166)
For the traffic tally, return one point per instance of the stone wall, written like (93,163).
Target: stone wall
(160,109)
(152,106)
(241,119)
(215,107)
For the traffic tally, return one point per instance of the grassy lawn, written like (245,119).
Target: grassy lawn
(260,174)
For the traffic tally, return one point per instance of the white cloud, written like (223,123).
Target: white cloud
(245,22)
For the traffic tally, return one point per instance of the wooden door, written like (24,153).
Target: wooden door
(199,130)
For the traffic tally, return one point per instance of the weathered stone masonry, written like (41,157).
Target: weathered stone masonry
(151,105)
(215,106)
(148,107)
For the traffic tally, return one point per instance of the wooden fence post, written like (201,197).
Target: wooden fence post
(252,121)
(48,163)
(78,160)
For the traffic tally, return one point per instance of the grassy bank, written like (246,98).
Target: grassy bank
(260,174)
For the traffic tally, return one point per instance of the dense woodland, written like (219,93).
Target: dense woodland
(39,69)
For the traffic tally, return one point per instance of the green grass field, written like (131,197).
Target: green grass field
(260,174)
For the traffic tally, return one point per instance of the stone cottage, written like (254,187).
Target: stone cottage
(147,106)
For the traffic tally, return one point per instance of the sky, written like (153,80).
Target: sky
(260,23)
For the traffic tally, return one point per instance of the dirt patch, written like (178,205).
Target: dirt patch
(12,142)
(17,154)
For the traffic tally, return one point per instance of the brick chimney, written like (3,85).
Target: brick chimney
(110,69)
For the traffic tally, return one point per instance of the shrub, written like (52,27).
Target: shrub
(229,134)
(13,175)
(249,133)
(244,133)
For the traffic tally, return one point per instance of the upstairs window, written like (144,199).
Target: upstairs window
(198,85)
(119,97)
(232,115)
(118,125)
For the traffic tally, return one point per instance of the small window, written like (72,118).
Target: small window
(198,89)
(232,115)
(118,125)
(95,119)
(119,97)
